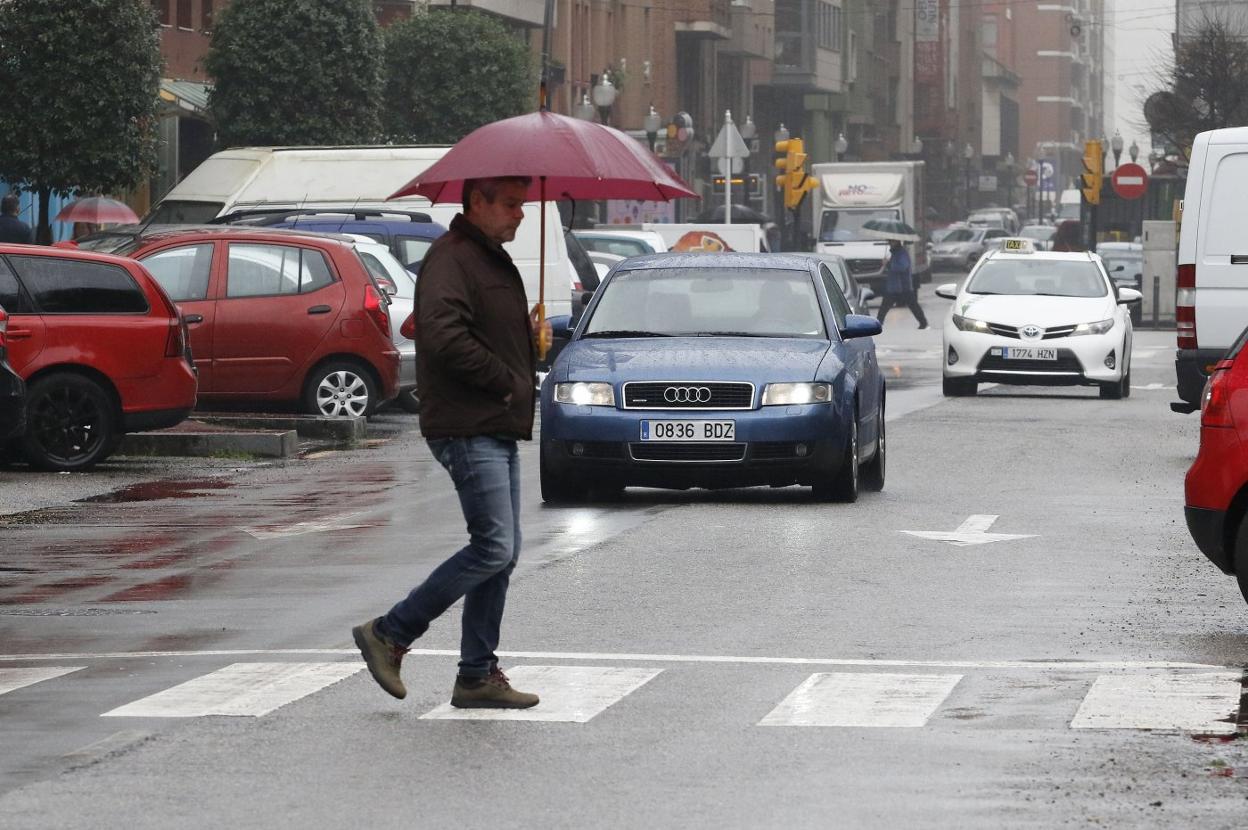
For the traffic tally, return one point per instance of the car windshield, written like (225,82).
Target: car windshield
(707,302)
(963,235)
(1039,277)
(846,225)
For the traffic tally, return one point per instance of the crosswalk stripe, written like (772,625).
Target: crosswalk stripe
(863,699)
(1205,703)
(13,679)
(570,694)
(240,689)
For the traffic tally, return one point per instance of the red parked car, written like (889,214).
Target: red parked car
(101,348)
(1217,484)
(278,316)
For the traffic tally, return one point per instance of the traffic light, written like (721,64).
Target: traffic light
(793,181)
(1093,171)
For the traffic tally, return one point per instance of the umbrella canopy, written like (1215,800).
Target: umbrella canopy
(97,210)
(889,229)
(566,157)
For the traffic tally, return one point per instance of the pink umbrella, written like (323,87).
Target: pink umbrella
(97,210)
(566,157)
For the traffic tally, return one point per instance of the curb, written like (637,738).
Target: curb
(273,444)
(347,431)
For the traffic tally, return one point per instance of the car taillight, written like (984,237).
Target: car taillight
(1185,307)
(4,327)
(1215,408)
(175,342)
(376,308)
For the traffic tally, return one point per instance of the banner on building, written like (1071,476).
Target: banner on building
(926,21)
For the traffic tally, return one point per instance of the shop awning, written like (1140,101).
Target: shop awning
(187,95)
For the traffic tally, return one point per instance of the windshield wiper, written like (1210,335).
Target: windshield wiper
(730,334)
(624,333)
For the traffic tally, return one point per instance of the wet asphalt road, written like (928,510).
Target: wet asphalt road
(724,602)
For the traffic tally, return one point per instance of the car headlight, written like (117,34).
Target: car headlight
(783,394)
(1093,328)
(585,394)
(967,324)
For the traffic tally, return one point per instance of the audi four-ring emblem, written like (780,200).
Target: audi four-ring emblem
(687,394)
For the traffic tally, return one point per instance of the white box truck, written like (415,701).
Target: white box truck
(850,194)
(280,177)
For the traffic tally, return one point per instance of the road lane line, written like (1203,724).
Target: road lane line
(240,689)
(13,679)
(1053,664)
(863,700)
(1205,703)
(570,694)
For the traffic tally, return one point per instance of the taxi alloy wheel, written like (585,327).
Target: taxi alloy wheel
(71,423)
(339,390)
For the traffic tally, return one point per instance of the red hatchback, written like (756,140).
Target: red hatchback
(278,316)
(101,348)
(1217,484)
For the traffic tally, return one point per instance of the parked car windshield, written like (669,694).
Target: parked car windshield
(184,213)
(741,302)
(846,225)
(1039,277)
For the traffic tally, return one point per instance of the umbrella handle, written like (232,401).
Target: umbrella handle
(541,330)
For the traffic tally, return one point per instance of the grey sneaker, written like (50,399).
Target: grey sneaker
(490,692)
(382,657)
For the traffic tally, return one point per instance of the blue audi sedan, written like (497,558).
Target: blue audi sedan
(715,370)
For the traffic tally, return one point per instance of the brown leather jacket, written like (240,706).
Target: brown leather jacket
(474,340)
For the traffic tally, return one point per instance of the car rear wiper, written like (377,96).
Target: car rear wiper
(624,333)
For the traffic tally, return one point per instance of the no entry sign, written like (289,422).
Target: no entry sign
(1130,181)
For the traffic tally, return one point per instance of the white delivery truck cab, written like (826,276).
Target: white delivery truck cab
(850,194)
(1211,303)
(364,177)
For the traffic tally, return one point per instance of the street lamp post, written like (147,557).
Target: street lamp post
(841,146)
(1133,151)
(968,153)
(781,134)
(604,97)
(916,147)
(1115,143)
(1009,180)
(651,125)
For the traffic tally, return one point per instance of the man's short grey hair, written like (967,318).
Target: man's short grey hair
(9,204)
(489,187)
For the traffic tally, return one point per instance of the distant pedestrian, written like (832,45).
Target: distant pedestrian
(1067,237)
(13,229)
(476,372)
(899,284)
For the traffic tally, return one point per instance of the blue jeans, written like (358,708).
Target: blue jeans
(486,472)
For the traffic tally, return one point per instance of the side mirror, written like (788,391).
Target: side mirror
(1119,268)
(1126,296)
(948,290)
(860,325)
(867,294)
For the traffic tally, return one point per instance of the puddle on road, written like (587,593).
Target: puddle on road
(156,490)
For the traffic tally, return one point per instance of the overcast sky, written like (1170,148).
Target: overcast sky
(1141,30)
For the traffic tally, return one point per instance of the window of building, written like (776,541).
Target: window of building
(162,11)
(828,31)
(205,15)
(988,33)
(185,18)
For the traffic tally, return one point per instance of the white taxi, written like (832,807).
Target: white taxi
(1038,318)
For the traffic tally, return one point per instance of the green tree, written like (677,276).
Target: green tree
(80,85)
(295,72)
(1208,85)
(448,72)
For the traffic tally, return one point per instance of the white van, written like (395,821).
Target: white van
(245,178)
(1211,304)
(1070,205)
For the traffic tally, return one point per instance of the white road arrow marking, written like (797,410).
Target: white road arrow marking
(974,531)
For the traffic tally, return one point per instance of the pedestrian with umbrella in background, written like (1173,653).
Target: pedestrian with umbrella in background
(477,349)
(13,229)
(899,274)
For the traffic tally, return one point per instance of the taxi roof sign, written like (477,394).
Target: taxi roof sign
(1018,245)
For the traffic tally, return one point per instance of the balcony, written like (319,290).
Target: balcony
(801,64)
(752,25)
(707,20)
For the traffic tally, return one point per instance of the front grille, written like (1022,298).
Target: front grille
(1058,331)
(688,395)
(687,452)
(595,449)
(864,266)
(777,450)
(1066,363)
(1004,331)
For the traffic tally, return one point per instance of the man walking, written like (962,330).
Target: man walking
(13,229)
(475,369)
(899,285)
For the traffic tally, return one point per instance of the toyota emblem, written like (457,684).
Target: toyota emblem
(1032,332)
(687,394)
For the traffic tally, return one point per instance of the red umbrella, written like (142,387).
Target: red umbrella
(566,157)
(97,210)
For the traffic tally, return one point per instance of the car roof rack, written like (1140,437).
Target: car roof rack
(273,216)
